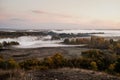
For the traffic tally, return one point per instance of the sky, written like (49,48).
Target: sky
(60,14)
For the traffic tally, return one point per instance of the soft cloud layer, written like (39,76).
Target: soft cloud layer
(97,14)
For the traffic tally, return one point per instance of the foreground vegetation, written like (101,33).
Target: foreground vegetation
(91,59)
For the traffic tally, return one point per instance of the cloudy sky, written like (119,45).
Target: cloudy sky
(60,14)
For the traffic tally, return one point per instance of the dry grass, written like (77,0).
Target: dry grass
(12,74)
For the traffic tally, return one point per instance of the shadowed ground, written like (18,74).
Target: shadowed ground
(22,54)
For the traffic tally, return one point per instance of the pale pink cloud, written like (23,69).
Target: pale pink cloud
(60,18)
(54,14)
(40,16)
(39,12)
(3,17)
(104,24)
(49,19)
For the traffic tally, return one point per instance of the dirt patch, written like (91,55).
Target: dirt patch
(71,74)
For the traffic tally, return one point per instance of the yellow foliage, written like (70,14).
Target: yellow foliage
(93,65)
(111,67)
(12,63)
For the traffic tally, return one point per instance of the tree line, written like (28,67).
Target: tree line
(5,44)
(96,43)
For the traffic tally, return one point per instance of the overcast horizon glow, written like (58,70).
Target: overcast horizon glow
(60,14)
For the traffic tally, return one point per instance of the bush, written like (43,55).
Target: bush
(1,46)
(42,68)
(93,54)
(58,60)
(5,44)
(85,63)
(12,64)
(117,48)
(13,43)
(103,60)
(99,42)
(93,65)
(29,64)
(111,68)
(48,62)
(2,66)
(117,65)
(66,41)
(77,41)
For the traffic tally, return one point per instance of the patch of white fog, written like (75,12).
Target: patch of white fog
(104,33)
(36,41)
(45,41)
